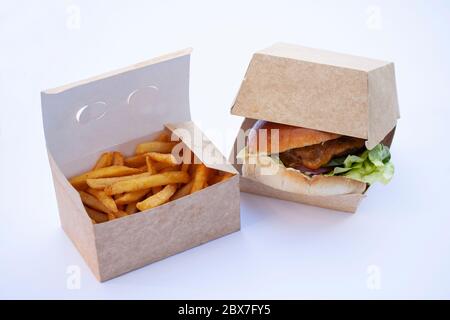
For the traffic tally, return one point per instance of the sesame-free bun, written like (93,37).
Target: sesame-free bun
(291,180)
(290,137)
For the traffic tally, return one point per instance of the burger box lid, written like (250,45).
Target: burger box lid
(320,90)
(116,111)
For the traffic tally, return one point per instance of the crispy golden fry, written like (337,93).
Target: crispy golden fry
(226,175)
(200,177)
(92,202)
(156,189)
(105,160)
(102,183)
(183,191)
(157,166)
(164,136)
(118,159)
(120,214)
(93,221)
(112,171)
(185,167)
(95,215)
(130,197)
(135,161)
(131,208)
(160,165)
(116,196)
(221,176)
(212,174)
(107,201)
(139,161)
(191,169)
(163,157)
(157,199)
(141,183)
(150,165)
(111,216)
(155,146)
(169,169)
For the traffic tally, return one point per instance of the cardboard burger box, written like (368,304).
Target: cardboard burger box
(321,90)
(116,111)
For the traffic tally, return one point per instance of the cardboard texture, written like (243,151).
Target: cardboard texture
(116,111)
(321,90)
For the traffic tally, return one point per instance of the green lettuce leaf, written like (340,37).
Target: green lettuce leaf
(336,162)
(371,166)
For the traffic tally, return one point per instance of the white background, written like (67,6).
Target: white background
(396,246)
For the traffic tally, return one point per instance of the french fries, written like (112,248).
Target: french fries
(159,179)
(92,202)
(102,183)
(112,171)
(131,197)
(160,165)
(120,214)
(200,177)
(156,189)
(135,161)
(164,136)
(155,146)
(139,161)
(169,169)
(107,201)
(183,191)
(95,215)
(150,166)
(111,216)
(119,186)
(105,160)
(219,177)
(162,157)
(131,208)
(118,159)
(157,199)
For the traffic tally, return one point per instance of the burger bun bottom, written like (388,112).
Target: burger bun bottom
(277,176)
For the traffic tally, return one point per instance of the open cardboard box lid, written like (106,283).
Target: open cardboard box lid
(111,109)
(118,110)
(320,90)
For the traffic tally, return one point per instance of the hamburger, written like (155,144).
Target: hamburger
(312,162)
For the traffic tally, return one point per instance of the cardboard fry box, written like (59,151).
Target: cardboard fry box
(322,90)
(116,111)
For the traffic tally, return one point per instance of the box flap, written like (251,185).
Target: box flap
(200,145)
(321,90)
(116,107)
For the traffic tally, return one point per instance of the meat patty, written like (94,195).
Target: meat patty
(315,156)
